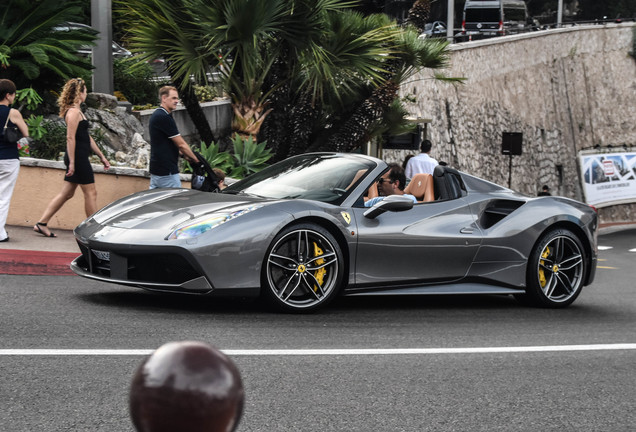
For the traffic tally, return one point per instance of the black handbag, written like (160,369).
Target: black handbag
(11,133)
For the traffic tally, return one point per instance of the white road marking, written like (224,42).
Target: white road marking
(329,352)
(605,247)
(632,250)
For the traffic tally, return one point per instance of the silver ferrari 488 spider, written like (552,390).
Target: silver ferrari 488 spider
(298,234)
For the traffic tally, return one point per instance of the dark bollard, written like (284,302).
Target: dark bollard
(186,387)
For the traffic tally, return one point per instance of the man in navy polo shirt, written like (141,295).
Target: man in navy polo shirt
(166,143)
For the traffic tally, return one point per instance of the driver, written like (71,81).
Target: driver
(392,182)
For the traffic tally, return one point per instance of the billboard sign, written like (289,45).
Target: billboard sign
(608,178)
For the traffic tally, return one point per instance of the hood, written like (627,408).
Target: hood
(167,208)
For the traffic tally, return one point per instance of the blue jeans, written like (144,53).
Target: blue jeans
(168,181)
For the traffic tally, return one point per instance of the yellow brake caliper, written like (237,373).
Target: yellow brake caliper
(542,280)
(320,273)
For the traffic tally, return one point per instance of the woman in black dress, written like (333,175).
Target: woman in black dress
(78,148)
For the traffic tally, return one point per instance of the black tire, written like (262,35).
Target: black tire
(556,270)
(303,269)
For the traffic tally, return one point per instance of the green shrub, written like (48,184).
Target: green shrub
(250,156)
(216,158)
(36,126)
(205,93)
(52,143)
(135,80)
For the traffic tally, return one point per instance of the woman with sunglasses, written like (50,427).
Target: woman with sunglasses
(79,145)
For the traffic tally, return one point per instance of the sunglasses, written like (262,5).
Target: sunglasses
(382,180)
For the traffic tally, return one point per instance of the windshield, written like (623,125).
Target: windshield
(319,177)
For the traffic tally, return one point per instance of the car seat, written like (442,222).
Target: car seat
(421,187)
(447,183)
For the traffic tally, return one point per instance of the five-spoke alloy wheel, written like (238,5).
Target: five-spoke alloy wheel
(303,268)
(556,269)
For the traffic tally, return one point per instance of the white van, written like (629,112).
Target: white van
(487,18)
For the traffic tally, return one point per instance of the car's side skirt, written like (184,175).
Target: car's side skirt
(463,288)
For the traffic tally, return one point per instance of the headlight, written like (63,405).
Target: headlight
(196,228)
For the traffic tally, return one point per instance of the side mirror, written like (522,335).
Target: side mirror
(394,203)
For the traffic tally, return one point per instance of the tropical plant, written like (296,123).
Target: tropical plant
(302,74)
(215,157)
(351,123)
(29,98)
(249,155)
(33,51)
(36,126)
(164,29)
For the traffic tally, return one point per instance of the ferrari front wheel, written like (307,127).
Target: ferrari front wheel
(556,270)
(303,269)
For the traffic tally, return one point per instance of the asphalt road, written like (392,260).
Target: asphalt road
(592,388)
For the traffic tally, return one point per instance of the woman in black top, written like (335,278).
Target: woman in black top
(9,162)
(78,147)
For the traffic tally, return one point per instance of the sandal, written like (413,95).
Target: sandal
(37,229)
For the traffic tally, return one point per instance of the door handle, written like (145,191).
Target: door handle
(467,230)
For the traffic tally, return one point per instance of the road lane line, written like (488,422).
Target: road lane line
(328,351)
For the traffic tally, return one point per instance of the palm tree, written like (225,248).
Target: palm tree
(163,29)
(301,73)
(411,54)
(344,127)
(419,14)
(328,80)
(33,49)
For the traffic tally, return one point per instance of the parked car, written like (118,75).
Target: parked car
(436,29)
(118,50)
(298,234)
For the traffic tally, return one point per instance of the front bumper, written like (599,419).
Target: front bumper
(156,269)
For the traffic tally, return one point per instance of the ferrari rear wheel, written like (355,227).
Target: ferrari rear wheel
(556,270)
(303,269)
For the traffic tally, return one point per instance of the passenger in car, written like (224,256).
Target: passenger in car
(391,183)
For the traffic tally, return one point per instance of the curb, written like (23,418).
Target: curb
(37,263)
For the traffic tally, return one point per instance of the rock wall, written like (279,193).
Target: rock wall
(566,90)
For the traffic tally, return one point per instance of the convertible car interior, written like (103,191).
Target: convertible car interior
(444,184)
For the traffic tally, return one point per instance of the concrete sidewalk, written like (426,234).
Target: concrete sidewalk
(30,253)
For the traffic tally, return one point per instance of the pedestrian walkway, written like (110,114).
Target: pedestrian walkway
(30,253)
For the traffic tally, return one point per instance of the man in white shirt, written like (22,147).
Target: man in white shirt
(422,163)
